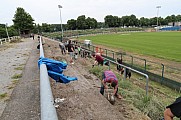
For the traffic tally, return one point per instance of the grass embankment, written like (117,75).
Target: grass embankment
(159,44)
(133,91)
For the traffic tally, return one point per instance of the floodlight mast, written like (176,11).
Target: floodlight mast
(157,15)
(59,6)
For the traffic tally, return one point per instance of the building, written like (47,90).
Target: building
(174,24)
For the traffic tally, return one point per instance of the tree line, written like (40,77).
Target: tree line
(23,21)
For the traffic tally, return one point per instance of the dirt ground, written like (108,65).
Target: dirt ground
(82,98)
(13,59)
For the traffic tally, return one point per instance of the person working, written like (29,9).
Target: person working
(173,110)
(62,47)
(109,77)
(98,59)
(70,50)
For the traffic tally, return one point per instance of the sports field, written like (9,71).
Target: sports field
(165,45)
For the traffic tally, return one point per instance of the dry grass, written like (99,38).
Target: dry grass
(4,95)
(16,76)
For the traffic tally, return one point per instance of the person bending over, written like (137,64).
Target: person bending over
(110,77)
(98,59)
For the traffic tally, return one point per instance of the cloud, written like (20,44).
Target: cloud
(47,11)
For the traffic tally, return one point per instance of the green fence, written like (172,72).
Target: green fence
(158,72)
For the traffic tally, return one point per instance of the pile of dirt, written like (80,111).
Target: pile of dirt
(82,98)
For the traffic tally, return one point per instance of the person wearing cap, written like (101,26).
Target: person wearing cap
(109,77)
(173,110)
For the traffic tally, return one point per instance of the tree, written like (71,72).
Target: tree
(45,27)
(110,21)
(91,23)
(133,21)
(71,24)
(22,20)
(81,22)
(125,20)
(178,18)
(144,22)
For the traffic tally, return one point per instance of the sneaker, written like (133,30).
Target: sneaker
(72,63)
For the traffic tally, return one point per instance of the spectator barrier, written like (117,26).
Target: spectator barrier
(48,111)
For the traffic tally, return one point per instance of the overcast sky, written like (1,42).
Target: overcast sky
(47,11)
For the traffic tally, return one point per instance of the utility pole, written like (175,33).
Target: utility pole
(7,31)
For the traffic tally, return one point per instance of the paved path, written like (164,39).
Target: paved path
(24,101)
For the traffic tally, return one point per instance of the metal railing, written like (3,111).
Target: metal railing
(112,60)
(8,39)
(48,111)
(147,78)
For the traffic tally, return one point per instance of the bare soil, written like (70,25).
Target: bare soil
(82,98)
(14,57)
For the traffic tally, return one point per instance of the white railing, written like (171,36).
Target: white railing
(48,111)
(4,40)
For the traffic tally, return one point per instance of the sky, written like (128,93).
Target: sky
(47,11)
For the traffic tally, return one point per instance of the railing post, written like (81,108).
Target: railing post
(145,64)
(124,73)
(162,73)
(93,48)
(109,65)
(106,52)
(113,55)
(131,60)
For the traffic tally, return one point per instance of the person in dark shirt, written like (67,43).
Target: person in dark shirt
(173,110)
(70,51)
(119,67)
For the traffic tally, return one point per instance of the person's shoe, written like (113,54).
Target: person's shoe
(92,66)
(72,63)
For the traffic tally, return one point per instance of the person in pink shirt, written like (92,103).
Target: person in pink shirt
(109,77)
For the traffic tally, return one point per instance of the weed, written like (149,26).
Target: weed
(96,71)
(3,95)
(16,76)
(10,87)
(18,68)
(15,81)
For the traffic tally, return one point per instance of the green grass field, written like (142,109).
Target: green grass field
(165,45)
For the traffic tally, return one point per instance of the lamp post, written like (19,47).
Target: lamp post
(7,31)
(157,15)
(59,6)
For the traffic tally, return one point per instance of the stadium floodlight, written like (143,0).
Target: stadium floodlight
(157,15)
(59,6)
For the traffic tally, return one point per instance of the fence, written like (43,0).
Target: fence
(48,111)
(4,40)
(158,72)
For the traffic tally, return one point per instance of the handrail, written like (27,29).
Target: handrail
(147,78)
(9,39)
(48,111)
